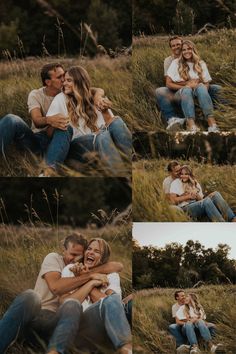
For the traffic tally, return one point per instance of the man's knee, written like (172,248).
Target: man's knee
(173,327)
(71,307)
(31,299)
(12,119)
(162,91)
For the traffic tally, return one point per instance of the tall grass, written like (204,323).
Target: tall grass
(152,316)
(148,57)
(149,203)
(19,77)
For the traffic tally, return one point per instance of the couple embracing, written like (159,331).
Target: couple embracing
(185,194)
(76,303)
(70,119)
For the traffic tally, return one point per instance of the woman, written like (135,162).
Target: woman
(192,316)
(92,125)
(189,76)
(186,192)
(103,315)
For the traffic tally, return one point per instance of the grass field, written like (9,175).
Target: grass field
(152,316)
(149,203)
(148,57)
(19,77)
(23,248)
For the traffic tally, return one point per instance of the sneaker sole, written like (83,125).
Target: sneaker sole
(176,127)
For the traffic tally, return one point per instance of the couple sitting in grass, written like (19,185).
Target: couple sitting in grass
(73,305)
(70,119)
(184,193)
(191,325)
(187,79)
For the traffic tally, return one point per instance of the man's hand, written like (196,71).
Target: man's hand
(192,83)
(58,121)
(101,277)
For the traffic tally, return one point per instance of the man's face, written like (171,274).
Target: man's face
(72,251)
(175,173)
(175,46)
(57,79)
(181,298)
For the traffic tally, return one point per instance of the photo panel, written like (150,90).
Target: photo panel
(66,265)
(184,280)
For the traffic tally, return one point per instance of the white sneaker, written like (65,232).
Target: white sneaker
(183,349)
(175,122)
(213,129)
(195,350)
(218,348)
(194,129)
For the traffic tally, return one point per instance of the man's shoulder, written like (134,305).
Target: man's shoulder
(36,92)
(53,256)
(176,306)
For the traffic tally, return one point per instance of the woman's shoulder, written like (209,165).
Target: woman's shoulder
(176,182)
(60,97)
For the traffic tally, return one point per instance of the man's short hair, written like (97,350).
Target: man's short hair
(171,165)
(177,293)
(172,38)
(45,75)
(76,239)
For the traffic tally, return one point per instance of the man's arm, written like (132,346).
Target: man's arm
(174,85)
(60,286)
(57,121)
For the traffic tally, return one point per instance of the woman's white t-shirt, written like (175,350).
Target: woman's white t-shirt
(182,315)
(177,187)
(113,279)
(173,72)
(58,106)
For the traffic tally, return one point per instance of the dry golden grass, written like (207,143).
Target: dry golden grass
(152,316)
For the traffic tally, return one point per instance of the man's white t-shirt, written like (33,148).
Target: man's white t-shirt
(177,187)
(167,63)
(58,106)
(182,315)
(175,308)
(173,72)
(114,284)
(166,184)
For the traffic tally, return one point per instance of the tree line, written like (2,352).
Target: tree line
(62,27)
(66,201)
(182,16)
(177,265)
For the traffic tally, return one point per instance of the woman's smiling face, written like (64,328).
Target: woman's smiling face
(93,255)
(184,175)
(187,52)
(68,84)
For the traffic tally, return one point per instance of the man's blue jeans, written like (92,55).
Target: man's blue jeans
(104,324)
(213,206)
(166,99)
(25,317)
(113,145)
(14,130)
(189,328)
(176,331)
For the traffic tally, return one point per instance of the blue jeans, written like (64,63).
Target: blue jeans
(104,324)
(186,96)
(176,331)
(25,317)
(112,144)
(189,328)
(14,130)
(213,206)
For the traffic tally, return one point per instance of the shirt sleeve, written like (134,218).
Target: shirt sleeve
(200,190)
(51,263)
(172,72)
(166,186)
(58,106)
(174,311)
(176,187)
(33,101)
(66,272)
(114,283)
(205,73)
(180,313)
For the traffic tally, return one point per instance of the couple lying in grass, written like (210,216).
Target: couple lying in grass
(70,119)
(73,306)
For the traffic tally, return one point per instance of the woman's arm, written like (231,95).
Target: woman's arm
(176,199)
(82,292)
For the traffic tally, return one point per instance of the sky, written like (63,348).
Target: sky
(208,234)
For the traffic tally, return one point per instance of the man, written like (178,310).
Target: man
(176,329)
(47,135)
(173,169)
(165,96)
(38,313)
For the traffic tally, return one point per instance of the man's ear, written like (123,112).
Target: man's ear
(48,82)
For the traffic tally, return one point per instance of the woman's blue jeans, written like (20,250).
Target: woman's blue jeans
(113,144)
(104,324)
(186,96)
(188,329)
(55,149)
(213,206)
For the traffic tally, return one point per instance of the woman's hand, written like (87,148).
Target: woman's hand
(192,83)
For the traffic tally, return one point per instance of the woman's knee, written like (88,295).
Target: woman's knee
(71,307)
(186,92)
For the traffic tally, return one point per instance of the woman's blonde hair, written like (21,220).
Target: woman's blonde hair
(198,309)
(183,66)
(81,103)
(104,247)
